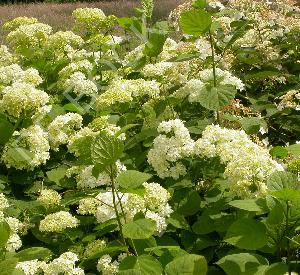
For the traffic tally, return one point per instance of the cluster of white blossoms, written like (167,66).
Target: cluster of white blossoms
(14,241)
(64,264)
(290,100)
(84,66)
(22,98)
(62,128)
(85,178)
(173,144)
(27,148)
(6,58)
(49,197)
(29,35)
(153,203)
(58,222)
(223,78)
(80,85)
(59,40)
(192,90)
(123,90)
(248,165)
(19,21)
(107,266)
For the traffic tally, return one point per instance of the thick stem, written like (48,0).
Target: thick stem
(286,232)
(115,203)
(217,114)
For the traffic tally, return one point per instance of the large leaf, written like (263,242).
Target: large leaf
(242,263)
(155,43)
(106,149)
(32,253)
(139,229)
(247,233)
(281,179)
(4,233)
(131,179)
(140,265)
(248,205)
(188,265)
(294,150)
(251,125)
(57,174)
(215,98)
(6,130)
(195,22)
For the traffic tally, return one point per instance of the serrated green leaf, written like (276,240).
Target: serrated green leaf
(247,233)
(248,205)
(139,229)
(281,179)
(132,179)
(195,22)
(4,233)
(32,253)
(106,149)
(188,265)
(6,131)
(215,98)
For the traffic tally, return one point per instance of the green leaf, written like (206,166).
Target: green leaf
(277,269)
(279,152)
(286,194)
(242,263)
(139,229)
(57,174)
(106,149)
(19,154)
(32,253)
(281,179)
(215,98)
(7,267)
(195,22)
(294,150)
(132,179)
(155,43)
(4,233)
(247,233)
(248,205)
(188,265)
(6,131)
(140,265)
(199,4)
(251,125)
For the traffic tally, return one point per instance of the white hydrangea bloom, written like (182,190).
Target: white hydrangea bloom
(6,58)
(58,222)
(106,266)
(64,264)
(248,165)
(49,197)
(32,139)
(94,247)
(3,202)
(29,267)
(124,90)
(14,224)
(223,78)
(84,66)
(167,151)
(88,206)
(32,35)
(62,128)
(204,48)
(19,21)
(192,89)
(80,85)
(22,98)
(14,243)
(61,39)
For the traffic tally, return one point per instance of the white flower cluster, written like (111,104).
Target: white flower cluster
(290,100)
(192,89)
(27,148)
(64,264)
(169,148)
(107,266)
(248,165)
(49,197)
(22,98)
(154,204)
(19,21)
(80,85)
(94,247)
(6,58)
(59,40)
(123,90)
(14,241)
(223,78)
(58,222)
(62,128)
(84,66)
(29,35)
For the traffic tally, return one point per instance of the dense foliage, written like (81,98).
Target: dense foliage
(172,148)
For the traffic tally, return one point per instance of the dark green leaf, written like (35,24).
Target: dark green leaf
(139,229)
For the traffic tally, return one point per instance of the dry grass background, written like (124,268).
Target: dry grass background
(59,15)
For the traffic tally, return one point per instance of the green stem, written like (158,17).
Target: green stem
(217,114)
(115,203)
(288,241)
